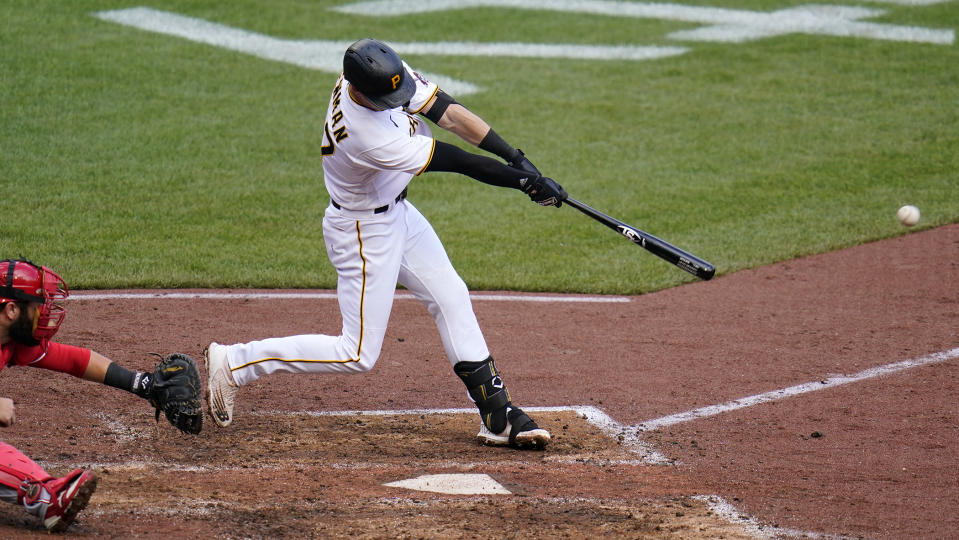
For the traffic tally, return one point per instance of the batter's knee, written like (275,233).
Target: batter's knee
(366,362)
(452,296)
(361,357)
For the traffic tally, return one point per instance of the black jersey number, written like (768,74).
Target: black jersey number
(327,149)
(338,135)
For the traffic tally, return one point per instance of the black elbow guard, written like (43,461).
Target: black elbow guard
(443,101)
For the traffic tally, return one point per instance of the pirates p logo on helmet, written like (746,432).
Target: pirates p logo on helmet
(375,69)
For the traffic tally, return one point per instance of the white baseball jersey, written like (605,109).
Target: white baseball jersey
(370,156)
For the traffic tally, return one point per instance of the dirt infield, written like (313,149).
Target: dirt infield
(874,456)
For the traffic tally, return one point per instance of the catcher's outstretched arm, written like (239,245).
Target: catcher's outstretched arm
(97,367)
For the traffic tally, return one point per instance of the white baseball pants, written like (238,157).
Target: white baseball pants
(371,254)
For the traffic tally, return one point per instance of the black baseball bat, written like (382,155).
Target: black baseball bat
(658,247)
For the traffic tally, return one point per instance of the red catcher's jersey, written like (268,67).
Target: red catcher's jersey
(47,355)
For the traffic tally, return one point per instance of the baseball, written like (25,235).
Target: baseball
(908,215)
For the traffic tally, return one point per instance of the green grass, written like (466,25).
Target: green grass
(133,159)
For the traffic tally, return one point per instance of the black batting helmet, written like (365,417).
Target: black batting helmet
(378,73)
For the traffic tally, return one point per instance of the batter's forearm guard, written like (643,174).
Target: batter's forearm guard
(443,102)
(487,390)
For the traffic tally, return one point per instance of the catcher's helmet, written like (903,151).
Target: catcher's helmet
(378,73)
(23,281)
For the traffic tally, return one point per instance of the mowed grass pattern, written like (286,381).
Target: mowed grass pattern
(135,159)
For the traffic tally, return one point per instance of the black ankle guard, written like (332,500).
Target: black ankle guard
(487,390)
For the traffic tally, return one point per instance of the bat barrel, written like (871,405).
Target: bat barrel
(679,257)
(657,246)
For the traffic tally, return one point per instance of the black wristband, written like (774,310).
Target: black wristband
(120,377)
(495,144)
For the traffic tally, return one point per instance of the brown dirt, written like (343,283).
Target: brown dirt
(885,465)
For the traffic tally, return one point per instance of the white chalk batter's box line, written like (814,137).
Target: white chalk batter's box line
(630,435)
(332,296)
(589,413)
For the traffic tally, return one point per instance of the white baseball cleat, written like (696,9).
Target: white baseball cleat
(528,434)
(221,390)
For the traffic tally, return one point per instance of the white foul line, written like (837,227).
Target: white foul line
(330,296)
(752,526)
(791,391)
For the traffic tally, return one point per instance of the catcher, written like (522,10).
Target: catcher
(29,317)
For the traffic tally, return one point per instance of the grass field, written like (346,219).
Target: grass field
(138,159)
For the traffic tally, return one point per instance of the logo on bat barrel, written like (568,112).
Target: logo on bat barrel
(631,234)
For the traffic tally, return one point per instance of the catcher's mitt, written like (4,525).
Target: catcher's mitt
(175,390)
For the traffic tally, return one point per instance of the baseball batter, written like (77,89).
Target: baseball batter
(374,143)
(30,315)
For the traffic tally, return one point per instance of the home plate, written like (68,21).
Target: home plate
(453,484)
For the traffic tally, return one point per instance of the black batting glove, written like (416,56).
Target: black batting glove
(521,162)
(545,191)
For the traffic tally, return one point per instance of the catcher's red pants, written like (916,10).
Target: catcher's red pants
(21,481)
